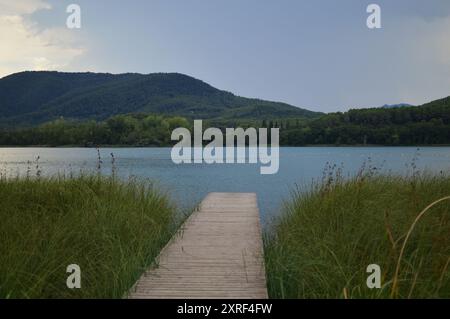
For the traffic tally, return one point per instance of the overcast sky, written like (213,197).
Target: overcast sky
(314,54)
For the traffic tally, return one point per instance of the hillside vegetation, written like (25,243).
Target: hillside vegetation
(30,98)
(428,124)
(136,130)
(425,124)
(52,108)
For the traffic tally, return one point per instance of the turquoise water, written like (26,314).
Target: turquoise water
(187,184)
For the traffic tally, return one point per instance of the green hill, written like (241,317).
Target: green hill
(409,125)
(30,98)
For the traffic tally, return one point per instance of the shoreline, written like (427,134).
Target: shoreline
(170,146)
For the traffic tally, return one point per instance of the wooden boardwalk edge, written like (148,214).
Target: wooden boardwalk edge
(216,253)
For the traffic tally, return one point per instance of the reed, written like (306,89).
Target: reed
(112,229)
(326,237)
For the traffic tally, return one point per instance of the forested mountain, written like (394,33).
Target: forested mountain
(29,98)
(51,108)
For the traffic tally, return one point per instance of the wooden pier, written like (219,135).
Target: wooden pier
(217,253)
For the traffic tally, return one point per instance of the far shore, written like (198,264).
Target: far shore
(169,146)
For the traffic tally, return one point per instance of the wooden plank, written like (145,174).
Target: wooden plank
(217,253)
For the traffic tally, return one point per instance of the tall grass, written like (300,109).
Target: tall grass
(113,230)
(322,244)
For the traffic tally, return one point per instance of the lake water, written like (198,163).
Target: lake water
(187,184)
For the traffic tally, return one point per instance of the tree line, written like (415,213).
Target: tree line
(425,125)
(137,130)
